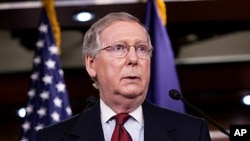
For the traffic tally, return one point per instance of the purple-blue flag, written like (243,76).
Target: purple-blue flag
(47,98)
(163,70)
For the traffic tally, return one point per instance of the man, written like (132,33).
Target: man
(117,54)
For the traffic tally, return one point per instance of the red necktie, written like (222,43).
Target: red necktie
(120,133)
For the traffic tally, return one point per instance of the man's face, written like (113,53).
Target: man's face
(121,79)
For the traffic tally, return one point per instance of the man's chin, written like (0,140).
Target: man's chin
(131,94)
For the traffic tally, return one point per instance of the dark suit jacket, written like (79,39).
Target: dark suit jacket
(159,125)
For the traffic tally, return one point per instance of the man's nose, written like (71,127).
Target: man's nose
(132,55)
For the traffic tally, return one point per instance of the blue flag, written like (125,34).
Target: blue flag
(163,71)
(47,98)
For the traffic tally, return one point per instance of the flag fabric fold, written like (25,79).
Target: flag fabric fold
(48,101)
(163,70)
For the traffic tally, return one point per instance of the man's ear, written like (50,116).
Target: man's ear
(90,65)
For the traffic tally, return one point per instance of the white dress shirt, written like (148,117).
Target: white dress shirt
(134,125)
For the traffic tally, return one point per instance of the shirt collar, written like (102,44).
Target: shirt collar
(107,113)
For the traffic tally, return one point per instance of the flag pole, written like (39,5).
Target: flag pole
(49,6)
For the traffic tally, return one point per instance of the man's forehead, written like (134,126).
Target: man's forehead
(121,27)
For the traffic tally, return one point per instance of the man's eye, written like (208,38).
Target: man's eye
(142,48)
(118,47)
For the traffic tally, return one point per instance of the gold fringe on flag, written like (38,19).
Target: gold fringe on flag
(51,12)
(161,7)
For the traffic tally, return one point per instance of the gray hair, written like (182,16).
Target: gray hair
(91,41)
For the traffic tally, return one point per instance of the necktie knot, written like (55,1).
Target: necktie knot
(121,118)
(120,133)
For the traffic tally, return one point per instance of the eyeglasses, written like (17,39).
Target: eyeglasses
(121,49)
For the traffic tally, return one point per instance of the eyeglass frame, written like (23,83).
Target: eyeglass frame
(111,48)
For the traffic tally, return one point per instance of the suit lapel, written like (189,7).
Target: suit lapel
(154,124)
(89,125)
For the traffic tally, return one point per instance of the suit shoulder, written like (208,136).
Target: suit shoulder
(64,123)
(178,126)
(57,130)
(171,115)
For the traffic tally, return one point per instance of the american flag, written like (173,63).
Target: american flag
(47,98)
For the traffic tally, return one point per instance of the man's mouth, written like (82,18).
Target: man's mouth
(131,78)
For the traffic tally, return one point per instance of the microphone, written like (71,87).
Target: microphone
(90,101)
(175,94)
